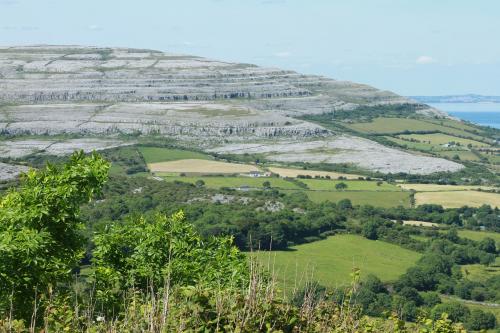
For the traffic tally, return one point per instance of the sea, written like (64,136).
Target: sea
(486,114)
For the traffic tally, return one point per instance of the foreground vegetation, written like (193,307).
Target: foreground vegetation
(154,274)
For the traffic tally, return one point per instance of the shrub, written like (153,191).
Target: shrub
(40,239)
(160,253)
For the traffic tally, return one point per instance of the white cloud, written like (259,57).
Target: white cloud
(425,60)
(282,54)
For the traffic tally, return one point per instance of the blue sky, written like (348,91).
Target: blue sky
(412,47)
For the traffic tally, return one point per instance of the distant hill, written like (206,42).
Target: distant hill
(89,95)
(469,98)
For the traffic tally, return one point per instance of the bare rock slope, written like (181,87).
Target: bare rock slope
(104,91)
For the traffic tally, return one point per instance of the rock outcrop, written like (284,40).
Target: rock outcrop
(49,90)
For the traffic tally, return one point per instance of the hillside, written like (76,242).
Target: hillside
(215,106)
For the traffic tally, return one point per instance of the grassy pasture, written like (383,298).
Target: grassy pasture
(481,273)
(479,235)
(218,182)
(331,261)
(156,154)
(440,139)
(454,124)
(464,155)
(383,125)
(378,199)
(409,144)
(352,185)
(289,172)
(201,166)
(438,188)
(487,308)
(455,199)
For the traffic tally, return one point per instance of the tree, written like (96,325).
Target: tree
(488,245)
(340,186)
(40,239)
(199,183)
(345,204)
(456,312)
(370,230)
(480,320)
(163,251)
(266,184)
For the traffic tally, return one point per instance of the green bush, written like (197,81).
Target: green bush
(162,253)
(40,239)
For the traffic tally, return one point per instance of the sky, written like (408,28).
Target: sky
(411,47)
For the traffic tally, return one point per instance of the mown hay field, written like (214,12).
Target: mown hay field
(293,173)
(201,166)
(331,261)
(456,199)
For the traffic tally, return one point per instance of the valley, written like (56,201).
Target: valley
(317,181)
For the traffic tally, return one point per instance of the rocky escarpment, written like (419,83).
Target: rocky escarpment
(47,74)
(52,90)
(70,89)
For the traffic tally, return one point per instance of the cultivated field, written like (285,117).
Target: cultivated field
(464,155)
(440,139)
(478,272)
(156,154)
(377,199)
(383,125)
(331,261)
(288,172)
(352,185)
(236,182)
(455,199)
(201,166)
(439,188)
(479,235)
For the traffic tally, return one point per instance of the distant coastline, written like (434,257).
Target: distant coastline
(481,113)
(469,98)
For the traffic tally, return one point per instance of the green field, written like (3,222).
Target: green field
(409,144)
(221,181)
(464,155)
(440,139)
(331,261)
(493,309)
(454,124)
(383,125)
(156,154)
(378,199)
(481,273)
(352,185)
(479,235)
(359,192)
